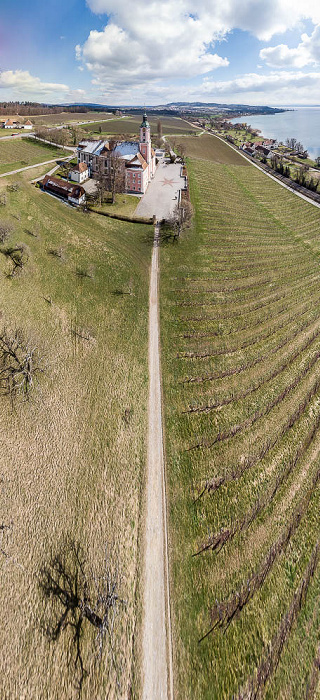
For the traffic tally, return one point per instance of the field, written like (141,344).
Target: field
(240,319)
(73,456)
(65,117)
(130,126)
(20,153)
(208,148)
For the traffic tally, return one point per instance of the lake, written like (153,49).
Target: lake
(302,124)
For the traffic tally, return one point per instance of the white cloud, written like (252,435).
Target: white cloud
(278,87)
(22,84)
(307,52)
(152,41)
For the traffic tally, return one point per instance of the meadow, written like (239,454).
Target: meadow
(20,153)
(240,320)
(73,456)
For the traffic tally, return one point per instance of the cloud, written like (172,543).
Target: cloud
(21,83)
(124,57)
(307,52)
(155,42)
(263,18)
(282,87)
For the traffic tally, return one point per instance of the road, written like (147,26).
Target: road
(157,652)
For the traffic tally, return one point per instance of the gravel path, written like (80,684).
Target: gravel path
(157,654)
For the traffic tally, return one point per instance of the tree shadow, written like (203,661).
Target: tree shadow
(75,597)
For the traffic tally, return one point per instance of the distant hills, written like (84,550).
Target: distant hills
(176,108)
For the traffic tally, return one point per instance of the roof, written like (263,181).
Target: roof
(65,189)
(28,122)
(126,149)
(79,168)
(93,147)
(137,161)
(9,122)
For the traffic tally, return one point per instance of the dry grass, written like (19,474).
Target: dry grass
(240,328)
(72,459)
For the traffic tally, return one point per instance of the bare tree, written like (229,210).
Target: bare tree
(101,179)
(115,175)
(20,363)
(77,596)
(18,256)
(5,230)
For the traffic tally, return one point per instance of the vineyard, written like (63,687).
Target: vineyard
(241,356)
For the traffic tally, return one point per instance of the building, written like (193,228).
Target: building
(79,173)
(11,124)
(138,158)
(74,194)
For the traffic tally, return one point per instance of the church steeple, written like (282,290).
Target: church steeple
(145,129)
(145,122)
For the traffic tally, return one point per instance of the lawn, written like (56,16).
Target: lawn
(240,325)
(73,457)
(20,153)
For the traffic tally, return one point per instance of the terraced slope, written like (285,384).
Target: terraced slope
(241,358)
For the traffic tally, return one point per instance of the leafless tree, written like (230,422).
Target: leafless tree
(115,175)
(5,230)
(75,596)
(20,363)
(18,256)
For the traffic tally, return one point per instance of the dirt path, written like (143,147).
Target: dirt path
(157,655)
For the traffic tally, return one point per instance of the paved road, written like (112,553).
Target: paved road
(157,653)
(161,195)
(36,165)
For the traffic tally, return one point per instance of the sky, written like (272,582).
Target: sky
(121,52)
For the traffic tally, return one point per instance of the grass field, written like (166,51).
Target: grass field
(130,126)
(20,153)
(73,457)
(240,321)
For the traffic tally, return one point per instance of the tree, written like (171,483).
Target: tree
(115,176)
(101,179)
(20,363)
(74,596)
(5,230)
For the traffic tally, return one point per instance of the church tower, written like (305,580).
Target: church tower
(145,139)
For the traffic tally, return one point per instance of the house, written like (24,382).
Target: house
(13,124)
(262,151)
(79,172)
(138,159)
(74,194)
(9,124)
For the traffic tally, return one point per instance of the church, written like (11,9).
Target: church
(138,157)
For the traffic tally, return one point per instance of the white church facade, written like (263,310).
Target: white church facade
(138,157)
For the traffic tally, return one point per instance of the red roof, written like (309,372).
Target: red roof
(61,187)
(79,168)
(28,122)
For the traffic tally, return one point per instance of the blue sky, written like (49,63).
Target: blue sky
(126,52)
